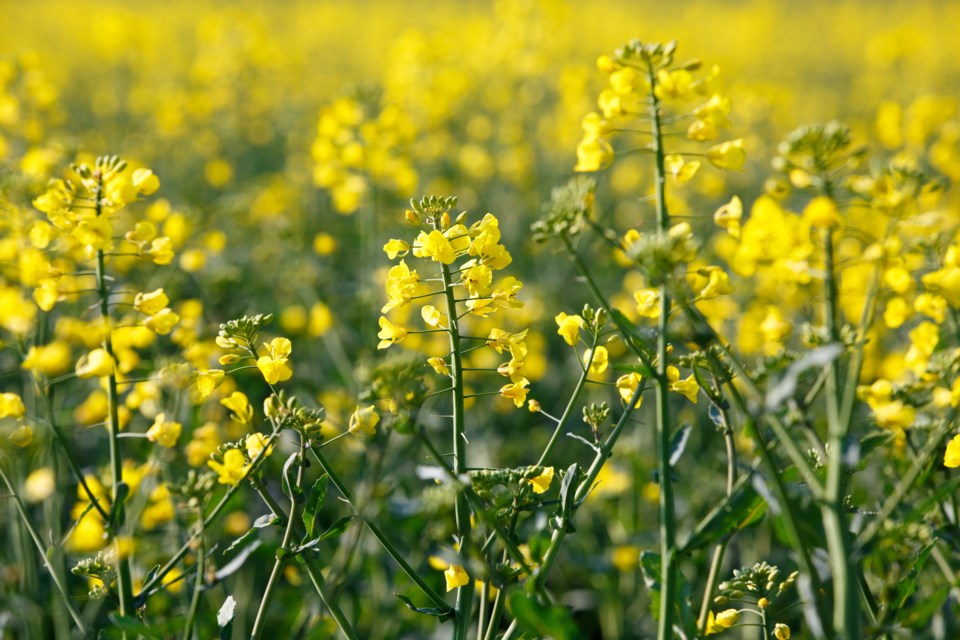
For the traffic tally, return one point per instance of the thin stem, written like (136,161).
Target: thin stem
(568,412)
(119,491)
(464,603)
(668,576)
(198,582)
(377,532)
(42,550)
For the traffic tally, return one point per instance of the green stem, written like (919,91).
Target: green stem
(377,532)
(668,577)
(198,582)
(720,549)
(846,618)
(42,550)
(119,491)
(261,618)
(464,603)
(568,412)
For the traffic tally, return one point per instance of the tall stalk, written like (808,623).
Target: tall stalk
(464,603)
(668,577)
(119,491)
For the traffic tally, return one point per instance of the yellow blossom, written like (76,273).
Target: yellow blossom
(688,386)
(569,327)
(728,155)
(238,403)
(822,212)
(432,316)
(22,436)
(39,485)
(393,248)
(390,333)
(729,215)
(439,365)
(516,391)
(273,365)
(456,577)
(598,359)
(233,468)
(541,483)
(209,380)
(627,386)
(11,406)
(161,250)
(50,359)
(164,433)
(593,154)
(648,302)
(364,421)
(162,322)
(255,443)
(781,631)
(150,303)
(97,363)
(434,245)
(951,458)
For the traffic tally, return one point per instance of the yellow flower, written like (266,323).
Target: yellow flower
(96,364)
(161,250)
(401,284)
(364,421)
(274,365)
(11,406)
(541,483)
(681,170)
(209,380)
(822,212)
(439,365)
(599,361)
(500,339)
(393,248)
(164,433)
(781,631)
(51,359)
(432,316)
(233,468)
(456,577)
(145,181)
(593,154)
(162,322)
(39,485)
(516,391)
(728,155)
(255,443)
(627,386)
(728,618)
(648,302)
(390,333)
(728,216)
(569,327)
(434,245)
(688,386)
(151,303)
(951,458)
(240,405)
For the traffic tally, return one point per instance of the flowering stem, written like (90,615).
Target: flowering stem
(573,400)
(464,594)
(377,532)
(42,549)
(721,547)
(846,618)
(668,577)
(120,489)
(199,580)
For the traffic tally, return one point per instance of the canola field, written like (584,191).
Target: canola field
(514,319)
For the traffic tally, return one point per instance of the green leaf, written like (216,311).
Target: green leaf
(290,488)
(317,495)
(443,614)
(337,527)
(917,616)
(742,508)
(787,385)
(129,624)
(908,584)
(234,565)
(540,620)
(261,522)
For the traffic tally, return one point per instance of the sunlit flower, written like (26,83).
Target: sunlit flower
(541,483)
(96,364)
(569,327)
(364,421)
(390,333)
(456,577)
(273,365)
(233,468)
(163,432)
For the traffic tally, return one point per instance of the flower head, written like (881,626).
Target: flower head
(456,577)
(163,432)
(364,421)
(233,468)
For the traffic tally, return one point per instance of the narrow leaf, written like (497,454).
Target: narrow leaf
(542,621)
(737,511)
(819,357)
(443,614)
(678,443)
(318,493)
